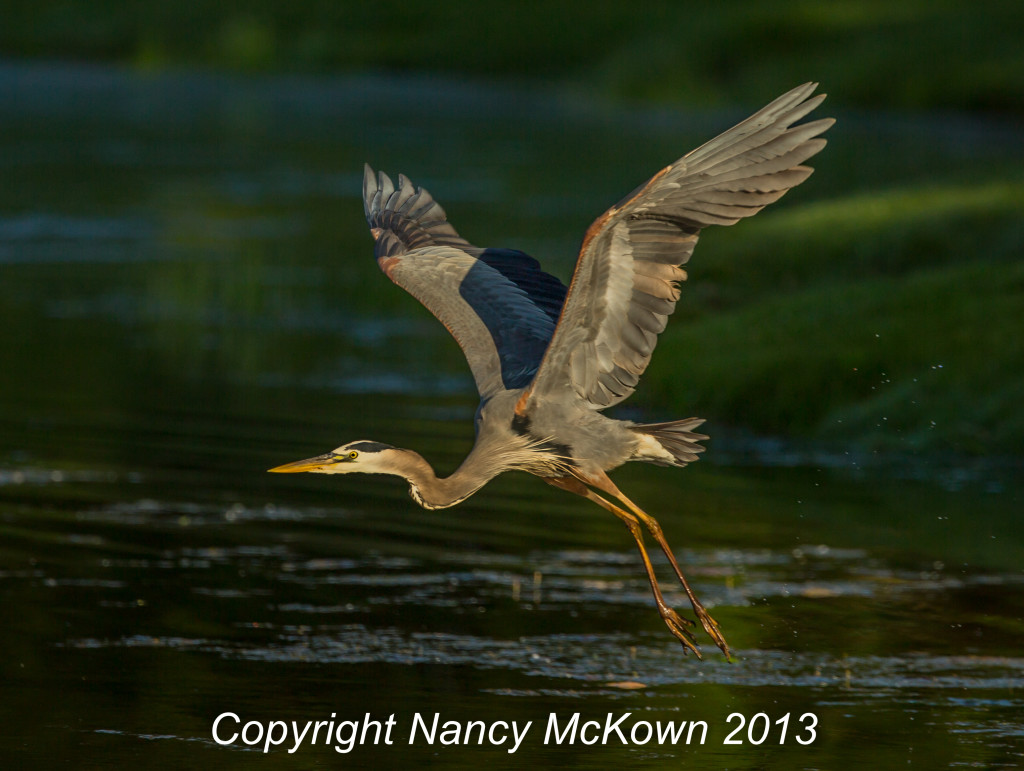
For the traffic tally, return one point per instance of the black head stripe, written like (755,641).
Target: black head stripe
(370,446)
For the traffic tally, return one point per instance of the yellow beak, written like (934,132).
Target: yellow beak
(309,464)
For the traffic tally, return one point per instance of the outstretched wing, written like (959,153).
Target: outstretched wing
(624,287)
(498,304)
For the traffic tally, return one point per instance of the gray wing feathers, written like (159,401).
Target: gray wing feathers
(743,170)
(501,332)
(405,217)
(625,286)
(497,304)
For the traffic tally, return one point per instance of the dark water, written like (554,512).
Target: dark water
(187,298)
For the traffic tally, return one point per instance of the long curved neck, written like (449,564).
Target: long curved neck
(433,492)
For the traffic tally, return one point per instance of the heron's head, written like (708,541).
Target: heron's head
(358,457)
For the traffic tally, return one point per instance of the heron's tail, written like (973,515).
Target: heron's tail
(669,444)
(403,217)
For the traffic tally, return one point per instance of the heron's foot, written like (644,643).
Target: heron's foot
(677,625)
(711,627)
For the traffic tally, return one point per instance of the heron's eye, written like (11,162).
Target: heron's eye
(353,455)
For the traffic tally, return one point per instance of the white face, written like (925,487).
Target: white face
(361,456)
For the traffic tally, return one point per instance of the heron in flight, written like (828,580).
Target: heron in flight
(546,358)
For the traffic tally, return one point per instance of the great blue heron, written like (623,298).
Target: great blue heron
(546,358)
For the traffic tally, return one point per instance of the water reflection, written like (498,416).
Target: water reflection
(597,663)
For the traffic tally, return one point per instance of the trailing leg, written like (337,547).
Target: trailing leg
(605,484)
(676,623)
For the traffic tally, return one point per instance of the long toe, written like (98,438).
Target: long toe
(712,628)
(677,626)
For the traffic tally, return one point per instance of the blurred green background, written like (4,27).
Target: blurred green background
(883,306)
(918,54)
